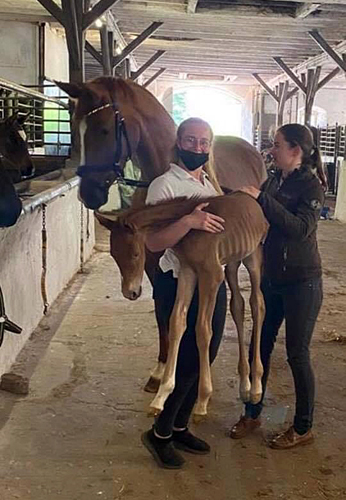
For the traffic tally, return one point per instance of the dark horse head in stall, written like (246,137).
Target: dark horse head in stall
(13,149)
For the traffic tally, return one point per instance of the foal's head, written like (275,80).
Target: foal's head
(13,146)
(99,107)
(128,251)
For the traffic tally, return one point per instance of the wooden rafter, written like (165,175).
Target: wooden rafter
(95,53)
(54,10)
(147,64)
(290,73)
(305,9)
(191,6)
(154,77)
(321,42)
(98,10)
(136,42)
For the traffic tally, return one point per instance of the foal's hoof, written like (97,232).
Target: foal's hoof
(245,396)
(197,418)
(153,412)
(255,398)
(152,385)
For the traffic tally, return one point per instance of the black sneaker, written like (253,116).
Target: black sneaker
(162,450)
(184,440)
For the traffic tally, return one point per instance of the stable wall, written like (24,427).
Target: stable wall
(56,54)
(21,260)
(340,207)
(164,89)
(19,54)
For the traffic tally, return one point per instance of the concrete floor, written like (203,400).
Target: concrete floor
(76,436)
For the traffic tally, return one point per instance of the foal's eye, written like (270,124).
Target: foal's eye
(104,131)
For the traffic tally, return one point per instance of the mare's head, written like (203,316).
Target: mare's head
(10,203)
(13,146)
(128,251)
(100,107)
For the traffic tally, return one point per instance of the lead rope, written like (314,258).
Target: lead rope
(44,260)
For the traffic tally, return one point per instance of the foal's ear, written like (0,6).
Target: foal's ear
(106,222)
(73,90)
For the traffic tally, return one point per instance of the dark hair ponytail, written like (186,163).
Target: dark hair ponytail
(301,135)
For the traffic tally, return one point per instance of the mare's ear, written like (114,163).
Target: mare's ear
(106,222)
(73,90)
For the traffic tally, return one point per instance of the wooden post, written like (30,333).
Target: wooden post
(308,83)
(106,57)
(75,17)
(280,96)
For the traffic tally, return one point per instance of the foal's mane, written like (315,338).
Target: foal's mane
(160,215)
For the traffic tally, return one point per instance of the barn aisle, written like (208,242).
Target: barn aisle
(76,436)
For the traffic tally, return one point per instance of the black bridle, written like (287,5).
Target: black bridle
(120,132)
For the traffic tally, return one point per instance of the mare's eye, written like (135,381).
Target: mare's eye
(104,131)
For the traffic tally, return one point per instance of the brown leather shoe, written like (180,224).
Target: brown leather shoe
(245,426)
(290,438)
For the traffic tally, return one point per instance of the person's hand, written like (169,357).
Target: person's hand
(205,221)
(251,190)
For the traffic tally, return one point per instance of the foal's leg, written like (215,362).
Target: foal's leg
(151,266)
(177,327)
(208,286)
(237,312)
(253,264)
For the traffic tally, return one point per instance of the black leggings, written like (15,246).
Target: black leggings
(299,305)
(180,403)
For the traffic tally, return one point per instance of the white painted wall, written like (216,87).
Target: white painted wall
(21,264)
(19,52)
(340,207)
(56,54)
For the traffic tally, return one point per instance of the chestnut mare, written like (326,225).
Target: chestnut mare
(245,229)
(14,150)
(103,106)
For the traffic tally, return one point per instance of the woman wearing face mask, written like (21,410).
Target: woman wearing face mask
(291,199)
(186,177)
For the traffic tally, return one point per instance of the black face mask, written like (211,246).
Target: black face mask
(193,160)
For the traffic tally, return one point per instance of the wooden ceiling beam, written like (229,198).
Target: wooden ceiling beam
(136,43)
(191,6)
(154,77)
(324,45)
(305,9)
(54,10)
(146,65)
(290,73)
(98,10)
(92,51)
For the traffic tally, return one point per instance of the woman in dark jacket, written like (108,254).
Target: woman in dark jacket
(291,199)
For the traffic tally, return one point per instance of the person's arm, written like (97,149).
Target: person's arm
(298,225)
(170,235)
